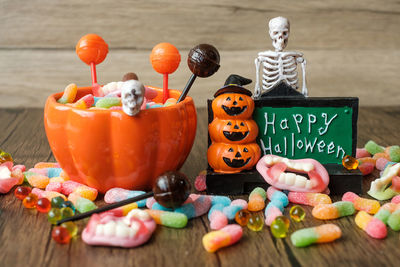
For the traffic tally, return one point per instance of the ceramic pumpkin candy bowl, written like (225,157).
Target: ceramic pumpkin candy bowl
(107,148)
(232,131)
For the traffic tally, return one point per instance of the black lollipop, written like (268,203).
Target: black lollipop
(170,190)
(203,61)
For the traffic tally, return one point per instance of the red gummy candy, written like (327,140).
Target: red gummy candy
(366,168)
(200,183)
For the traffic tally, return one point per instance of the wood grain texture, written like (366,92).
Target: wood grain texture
(26,238)
(27,77)
(229,24)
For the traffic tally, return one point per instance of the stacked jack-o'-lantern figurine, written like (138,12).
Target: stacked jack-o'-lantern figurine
(232,131)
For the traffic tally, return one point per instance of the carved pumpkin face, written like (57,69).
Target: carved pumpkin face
(231,158)
(233,105)
(233,131)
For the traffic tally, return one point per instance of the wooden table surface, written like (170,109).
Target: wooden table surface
(26,235)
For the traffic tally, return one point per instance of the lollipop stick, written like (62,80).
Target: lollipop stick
(94,75)
(187,88)
(165,88)
(105,208)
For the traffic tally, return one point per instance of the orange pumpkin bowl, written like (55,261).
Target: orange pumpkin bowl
(107,148)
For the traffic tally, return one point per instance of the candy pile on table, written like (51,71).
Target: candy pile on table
(50,191)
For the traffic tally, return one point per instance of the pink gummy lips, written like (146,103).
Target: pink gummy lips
(129,231)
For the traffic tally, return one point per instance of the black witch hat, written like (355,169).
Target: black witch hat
(233,84)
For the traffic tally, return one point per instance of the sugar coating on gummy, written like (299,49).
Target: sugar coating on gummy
(334,210)
(118,194)
(366,168)
(394,220)
(369,205)
(361,153)
(47,194)
(257,199)
(168,219)
(396,199)
(132,230)
(393,152)
(320,234)
(108,102)
(372,226)
(81,204)
(373,147)
(69,94)
(310,199)
(224,237)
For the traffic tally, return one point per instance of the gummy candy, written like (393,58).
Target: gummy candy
(169,219)
(349,162)
(372,226)
(108,102)
(256,222)
(68,204)
(333,211)
(43,205)
(30,201)
(257,199)
(85,102)
(4,157)
(369,205)
(47,194)
(38,181)
(394,220)
(279,200)
(362,153)
(373,147)
(118,194)
(71,227)
(22,191)
(61,235)
(54,215)
(297,213)
(69,94)
(66,212)
(393,152)
(385,211)
(41,165)
(124,210)
(81,204)
(242,217)
(200,181)
(224,237)
(6,180)
(132,230)
(320,234)
(280,227)
(310,199)
(57,202)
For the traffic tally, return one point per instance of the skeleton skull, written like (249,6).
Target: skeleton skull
(279,29)
(132,97)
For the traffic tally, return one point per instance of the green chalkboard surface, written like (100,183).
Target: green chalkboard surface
(324,129)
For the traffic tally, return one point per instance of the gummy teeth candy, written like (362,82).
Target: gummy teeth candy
(287,174)
(388,185)
(130,231)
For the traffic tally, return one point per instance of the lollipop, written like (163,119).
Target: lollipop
(165,59)
(170,190)
(203,61)
(92,50)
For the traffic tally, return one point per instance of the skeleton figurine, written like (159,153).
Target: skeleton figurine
(132,97)
(277,65)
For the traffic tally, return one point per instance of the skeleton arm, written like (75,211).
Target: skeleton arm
(303,62)
(257,90)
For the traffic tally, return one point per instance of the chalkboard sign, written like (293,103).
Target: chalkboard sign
(321,128)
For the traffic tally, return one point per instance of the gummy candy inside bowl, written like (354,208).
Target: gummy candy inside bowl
(107,148)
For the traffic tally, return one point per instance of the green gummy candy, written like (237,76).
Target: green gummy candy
(28,174)
(394,221)
(174,219)
(383,215)
(394,153)
(108,102)
(373,147)
(259,191)
(345,208)
(84,205)
(304,237)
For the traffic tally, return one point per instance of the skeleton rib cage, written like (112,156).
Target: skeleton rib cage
(277,67)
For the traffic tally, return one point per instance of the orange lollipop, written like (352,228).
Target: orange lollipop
(92,50)
(165,59)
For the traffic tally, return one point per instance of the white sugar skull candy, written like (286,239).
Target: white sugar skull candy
(132,97)
(279,29)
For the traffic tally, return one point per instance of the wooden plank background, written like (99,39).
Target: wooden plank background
(352,47)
